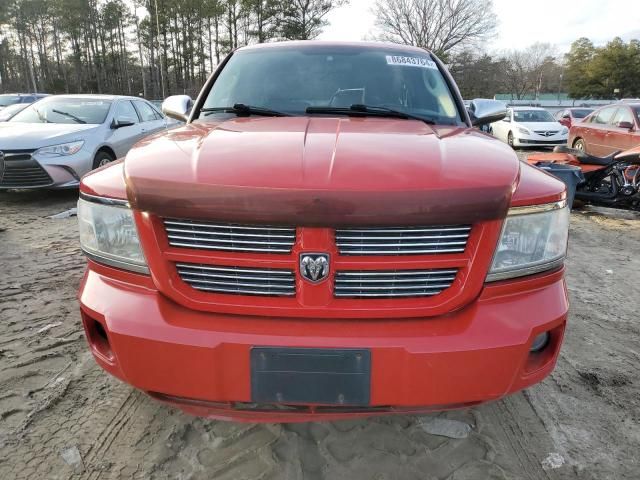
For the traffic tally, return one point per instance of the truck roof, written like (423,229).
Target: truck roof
(334,44)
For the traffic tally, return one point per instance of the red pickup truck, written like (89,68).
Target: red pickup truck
(327,236)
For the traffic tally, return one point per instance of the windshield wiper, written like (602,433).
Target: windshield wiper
(40,115)
(241,109)
(359,109)
(68,115)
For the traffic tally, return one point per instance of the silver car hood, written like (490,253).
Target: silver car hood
(30,136)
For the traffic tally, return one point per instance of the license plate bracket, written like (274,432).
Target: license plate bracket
(311,376)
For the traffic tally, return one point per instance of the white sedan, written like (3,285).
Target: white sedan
(530,127)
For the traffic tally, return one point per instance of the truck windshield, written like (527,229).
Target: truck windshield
(292,80)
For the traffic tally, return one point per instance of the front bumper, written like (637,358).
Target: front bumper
(37,173)
(532,141)
(200,362)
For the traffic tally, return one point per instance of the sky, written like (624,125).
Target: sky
(520,22)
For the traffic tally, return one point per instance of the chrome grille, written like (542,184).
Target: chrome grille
(238,280)
(21,171)
(229,237)
(392,283)
(402,240)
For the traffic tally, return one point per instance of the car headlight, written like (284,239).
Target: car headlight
(108,234)
(61,150)
(524,131)
(533,239)
(564,131)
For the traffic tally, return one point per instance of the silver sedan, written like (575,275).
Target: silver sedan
(54,142)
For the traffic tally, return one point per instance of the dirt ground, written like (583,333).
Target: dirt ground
(61,417)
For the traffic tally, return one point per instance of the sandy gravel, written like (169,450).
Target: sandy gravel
(62,417)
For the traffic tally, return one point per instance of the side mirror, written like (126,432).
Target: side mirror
(625,125)
(178,107)
(483,111)
(121,123)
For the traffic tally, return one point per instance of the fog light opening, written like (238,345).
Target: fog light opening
(100,332)
(98,338)
(540,342)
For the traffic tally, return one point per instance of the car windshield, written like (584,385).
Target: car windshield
(11,110)
(581,113)
(65,110)
(6,100)
(529,116)
(637,112)
(292,79)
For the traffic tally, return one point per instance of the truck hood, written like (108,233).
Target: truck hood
(322,171)
(30,136)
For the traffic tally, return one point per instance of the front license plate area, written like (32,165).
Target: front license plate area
(310,376)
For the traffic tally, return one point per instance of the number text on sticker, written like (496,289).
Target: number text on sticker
(420,62)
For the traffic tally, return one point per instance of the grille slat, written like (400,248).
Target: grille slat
(395,273)
(400,244)
(241,270)
(241,235)
(390,283)
(193,223)
(284,279)
(233,241)
(406,237)
(387,288)
(393,230)
(250,281)
(22,171)
(397,280)
(402,240)
(238,280)
(229,237)
(229,249)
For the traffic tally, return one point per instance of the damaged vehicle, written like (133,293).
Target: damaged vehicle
(310,244)
(612,181)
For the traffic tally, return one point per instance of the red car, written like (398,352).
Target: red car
(328,236)
(571,116)
(608,130)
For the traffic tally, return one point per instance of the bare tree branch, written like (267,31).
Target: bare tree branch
(442,26)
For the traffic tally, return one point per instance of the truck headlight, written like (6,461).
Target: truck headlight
(61,150)
(108,234)
(533,239)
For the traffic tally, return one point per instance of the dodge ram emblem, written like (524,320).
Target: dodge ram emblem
(314,267)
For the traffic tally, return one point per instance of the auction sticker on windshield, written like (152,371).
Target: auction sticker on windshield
(420,62)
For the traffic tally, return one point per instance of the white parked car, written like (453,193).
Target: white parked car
(530,127)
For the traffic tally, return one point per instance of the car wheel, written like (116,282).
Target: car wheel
(510,140)
(102,158)
(580,145)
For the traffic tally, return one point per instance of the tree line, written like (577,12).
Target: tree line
(149,47)
(585,72)
(156,48)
